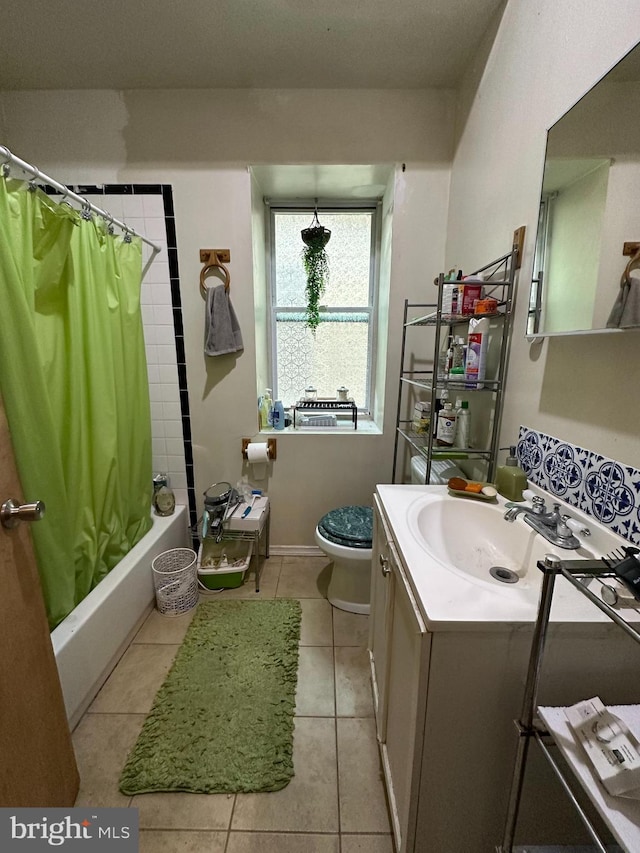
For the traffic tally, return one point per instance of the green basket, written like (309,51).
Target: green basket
(221,580)
(222,565)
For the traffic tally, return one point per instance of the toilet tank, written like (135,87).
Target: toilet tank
(441,471)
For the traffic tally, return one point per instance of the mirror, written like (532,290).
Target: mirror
(589,208)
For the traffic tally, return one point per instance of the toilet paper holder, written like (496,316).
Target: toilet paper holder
(271,448)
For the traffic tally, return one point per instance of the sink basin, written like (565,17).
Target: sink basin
(472,538)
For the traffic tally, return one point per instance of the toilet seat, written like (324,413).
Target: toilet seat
(345,535)
(349,526)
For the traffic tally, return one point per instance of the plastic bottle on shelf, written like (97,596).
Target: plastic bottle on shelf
(442,365)
(463,424)
(456,370)
(446,426)
(266,404)
(477,342)
(449,359)
(441,399)
(277,415)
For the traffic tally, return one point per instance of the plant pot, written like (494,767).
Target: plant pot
(316,237)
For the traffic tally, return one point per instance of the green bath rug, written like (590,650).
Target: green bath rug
(222,722)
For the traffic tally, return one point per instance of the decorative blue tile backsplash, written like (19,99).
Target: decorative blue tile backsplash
(600,487)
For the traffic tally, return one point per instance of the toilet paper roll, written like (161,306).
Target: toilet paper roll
(258,456)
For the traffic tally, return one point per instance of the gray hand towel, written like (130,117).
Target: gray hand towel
(221,329)
(625,313)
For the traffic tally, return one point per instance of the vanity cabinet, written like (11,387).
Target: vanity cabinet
(420,378)
(399,654)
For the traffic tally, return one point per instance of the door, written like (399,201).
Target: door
(37,763)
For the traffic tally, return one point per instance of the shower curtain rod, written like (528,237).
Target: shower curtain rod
(11,159)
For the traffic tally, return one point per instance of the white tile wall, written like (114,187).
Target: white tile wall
(145,214)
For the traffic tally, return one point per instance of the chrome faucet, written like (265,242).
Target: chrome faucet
(550,525)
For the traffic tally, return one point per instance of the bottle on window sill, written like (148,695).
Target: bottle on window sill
(277,415)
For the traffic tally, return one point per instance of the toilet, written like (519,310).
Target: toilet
(441,471)
(345,534)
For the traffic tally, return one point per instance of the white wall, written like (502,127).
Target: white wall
(545,56)
(201,143)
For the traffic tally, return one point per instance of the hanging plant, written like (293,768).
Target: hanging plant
(316,267)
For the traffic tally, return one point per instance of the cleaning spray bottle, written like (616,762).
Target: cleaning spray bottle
(477,342)
(511,480)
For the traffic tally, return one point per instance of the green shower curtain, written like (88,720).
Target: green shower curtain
(73,379)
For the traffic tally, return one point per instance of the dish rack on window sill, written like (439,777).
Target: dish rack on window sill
(330,407)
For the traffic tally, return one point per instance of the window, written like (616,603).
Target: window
(340,352)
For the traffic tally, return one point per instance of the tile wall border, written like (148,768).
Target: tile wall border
(607,490)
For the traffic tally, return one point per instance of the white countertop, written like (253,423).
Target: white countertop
(451,600)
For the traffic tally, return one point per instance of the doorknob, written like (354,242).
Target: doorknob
(12,512)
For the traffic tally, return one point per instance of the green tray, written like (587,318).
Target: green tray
(478,496)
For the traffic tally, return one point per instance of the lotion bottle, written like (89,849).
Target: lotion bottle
(511,480)
(277,415)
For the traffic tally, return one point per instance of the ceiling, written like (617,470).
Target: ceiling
(158,44)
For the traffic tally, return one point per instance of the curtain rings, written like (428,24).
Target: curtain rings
(127,234)
(32,183)
(5,168)
(85,210)
(108,218)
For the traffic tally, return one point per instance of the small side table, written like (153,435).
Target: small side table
(252,527)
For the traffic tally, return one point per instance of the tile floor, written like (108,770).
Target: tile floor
(334,804)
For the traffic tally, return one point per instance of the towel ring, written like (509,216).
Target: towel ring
(634,264)
(214,261)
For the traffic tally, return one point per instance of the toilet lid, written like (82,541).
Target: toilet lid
(348,525)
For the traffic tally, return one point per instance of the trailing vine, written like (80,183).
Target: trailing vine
(316,267)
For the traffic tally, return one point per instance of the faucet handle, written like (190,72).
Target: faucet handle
(562,529)
(576,526)
(538,504)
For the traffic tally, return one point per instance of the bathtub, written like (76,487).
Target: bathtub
(90,641)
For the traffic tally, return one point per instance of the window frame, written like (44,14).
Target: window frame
(326,206)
